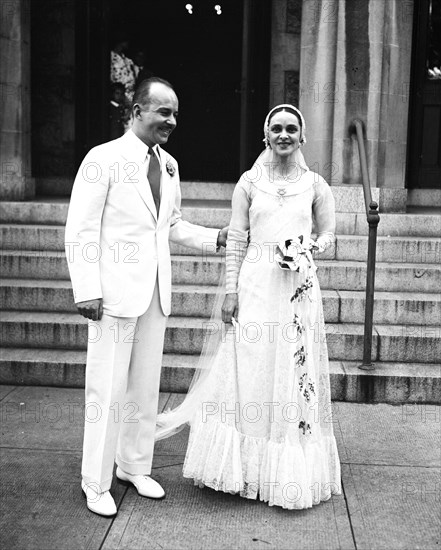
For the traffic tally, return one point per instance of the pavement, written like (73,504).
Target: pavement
(391,466)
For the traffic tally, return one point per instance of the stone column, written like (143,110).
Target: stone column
(355,62)
(16,182)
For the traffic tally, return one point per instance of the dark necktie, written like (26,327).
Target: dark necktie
(154,176)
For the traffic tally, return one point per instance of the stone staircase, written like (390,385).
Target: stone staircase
(44,339)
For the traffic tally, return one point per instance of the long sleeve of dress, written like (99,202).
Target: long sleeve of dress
(324,214)
(237,241)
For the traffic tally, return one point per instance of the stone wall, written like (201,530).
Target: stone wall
(53,87)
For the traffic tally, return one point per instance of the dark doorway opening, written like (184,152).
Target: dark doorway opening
(424,137)
(216,55)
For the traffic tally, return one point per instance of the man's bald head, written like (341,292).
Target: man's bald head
(142,94)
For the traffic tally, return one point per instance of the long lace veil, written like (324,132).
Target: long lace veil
(172,421)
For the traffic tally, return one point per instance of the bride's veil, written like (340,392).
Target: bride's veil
(171,422)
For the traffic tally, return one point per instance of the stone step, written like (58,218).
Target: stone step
(61,187)
(184,335)
(47,211)
(404,308)
(217,213)
(32,237)
(333,275)
(197,190)
(397,249)
(348,198)
(424,198)
(421,250)
(388,383)
(30,264)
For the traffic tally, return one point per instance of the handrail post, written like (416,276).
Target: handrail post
(373,219)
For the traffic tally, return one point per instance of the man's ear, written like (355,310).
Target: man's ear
(136,110)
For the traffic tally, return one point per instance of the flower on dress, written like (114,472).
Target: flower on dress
(299,326)
(170,167)
(300,358)
(306,387)
(299,294)
(304,427)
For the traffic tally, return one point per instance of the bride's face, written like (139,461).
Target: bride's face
(284,133)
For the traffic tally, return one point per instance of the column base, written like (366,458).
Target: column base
(17,188)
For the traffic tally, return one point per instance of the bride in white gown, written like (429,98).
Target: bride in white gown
(259,406)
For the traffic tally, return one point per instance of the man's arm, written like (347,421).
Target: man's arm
(83,229)
(204,239)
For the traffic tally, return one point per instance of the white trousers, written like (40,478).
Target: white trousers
(123,369)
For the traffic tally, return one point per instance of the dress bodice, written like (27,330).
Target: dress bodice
(278,212)
(267,212)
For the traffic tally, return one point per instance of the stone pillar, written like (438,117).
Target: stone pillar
(16,182)
(355,62)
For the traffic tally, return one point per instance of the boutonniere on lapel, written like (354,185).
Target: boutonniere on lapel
(170,167)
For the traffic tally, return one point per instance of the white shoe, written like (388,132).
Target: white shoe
(99,503)
(145,485)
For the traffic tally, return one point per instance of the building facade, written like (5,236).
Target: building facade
(375,60)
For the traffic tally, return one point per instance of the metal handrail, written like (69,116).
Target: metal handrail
(373,220)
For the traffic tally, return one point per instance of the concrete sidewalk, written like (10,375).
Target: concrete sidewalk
(391,458)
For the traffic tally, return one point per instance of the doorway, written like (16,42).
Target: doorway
(424,138)
(215,53)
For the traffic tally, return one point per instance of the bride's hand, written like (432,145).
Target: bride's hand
(230,308)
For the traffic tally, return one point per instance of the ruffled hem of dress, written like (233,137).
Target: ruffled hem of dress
(291,476)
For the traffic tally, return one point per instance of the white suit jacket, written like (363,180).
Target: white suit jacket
(116,244)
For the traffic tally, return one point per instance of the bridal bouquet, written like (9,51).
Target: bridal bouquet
(295,254)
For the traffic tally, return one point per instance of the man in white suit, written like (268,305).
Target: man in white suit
(125,206)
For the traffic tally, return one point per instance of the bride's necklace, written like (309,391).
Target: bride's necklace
(286,177)
(281,191)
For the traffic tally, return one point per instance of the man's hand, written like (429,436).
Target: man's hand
(230,308)
(91,309)
(222,237)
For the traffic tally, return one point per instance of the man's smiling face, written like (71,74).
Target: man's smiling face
(156,121)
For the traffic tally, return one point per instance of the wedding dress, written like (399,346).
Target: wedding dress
(261,422)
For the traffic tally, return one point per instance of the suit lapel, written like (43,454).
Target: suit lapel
(165,186)
(138,172)
(142,185)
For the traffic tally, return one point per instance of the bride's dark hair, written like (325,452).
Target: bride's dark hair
(287,109)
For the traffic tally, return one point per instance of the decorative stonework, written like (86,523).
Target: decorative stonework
(285,49)
(292,87)
(293,16)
